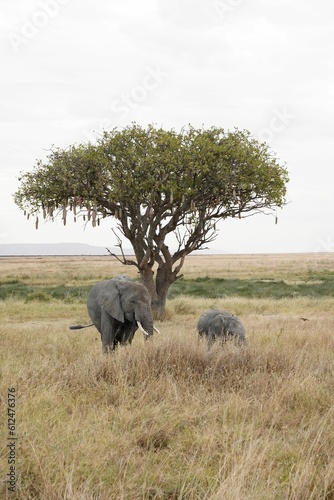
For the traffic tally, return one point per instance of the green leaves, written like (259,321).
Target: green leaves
(166,170)
(155,181)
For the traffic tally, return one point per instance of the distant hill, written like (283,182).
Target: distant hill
(17,249)
(22,249)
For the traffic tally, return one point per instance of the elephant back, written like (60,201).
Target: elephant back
(206,317)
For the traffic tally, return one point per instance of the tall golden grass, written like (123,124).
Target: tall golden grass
(74,270)
(169,419)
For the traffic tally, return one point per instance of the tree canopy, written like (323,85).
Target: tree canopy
(157,182)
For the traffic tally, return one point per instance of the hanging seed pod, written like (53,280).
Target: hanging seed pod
(171,198)
(120,213)
(28,215)
(98,222)
(276,219)
(233,214)
(104,214)
(93,222)
(44,213)
(116,213)
(233,193)
(75,219)
(74,210)
(25,213)
(192,205)
(84,218)
(36,223)
(88,214)
(94,214)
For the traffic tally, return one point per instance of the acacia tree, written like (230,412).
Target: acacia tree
(157,183)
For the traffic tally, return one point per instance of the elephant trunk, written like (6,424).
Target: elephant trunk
(144,321)
(140,326)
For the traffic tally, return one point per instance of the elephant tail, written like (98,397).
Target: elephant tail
(78,327)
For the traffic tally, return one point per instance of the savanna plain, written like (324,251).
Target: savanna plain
(170,419)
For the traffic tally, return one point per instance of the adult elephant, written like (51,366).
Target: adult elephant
(118,307)
(220,325)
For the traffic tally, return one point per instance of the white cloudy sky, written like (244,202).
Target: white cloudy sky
(71,67)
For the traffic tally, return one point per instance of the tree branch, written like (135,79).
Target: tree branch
(123,260)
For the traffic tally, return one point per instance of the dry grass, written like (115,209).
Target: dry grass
(168,419)
(78,270)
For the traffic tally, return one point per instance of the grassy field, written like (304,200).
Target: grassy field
(168,419)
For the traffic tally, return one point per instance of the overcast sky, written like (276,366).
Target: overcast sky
(71,68)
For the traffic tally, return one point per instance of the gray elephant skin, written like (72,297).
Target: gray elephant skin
(117,308)
(220,325)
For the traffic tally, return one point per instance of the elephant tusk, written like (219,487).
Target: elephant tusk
(140,326)
(158,331)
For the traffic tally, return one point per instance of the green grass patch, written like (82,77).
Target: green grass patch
(254,288)
(26,292)
(315,286)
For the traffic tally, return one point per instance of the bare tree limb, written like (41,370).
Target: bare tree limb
(123,260)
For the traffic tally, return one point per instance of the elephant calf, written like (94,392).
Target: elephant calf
(220,325)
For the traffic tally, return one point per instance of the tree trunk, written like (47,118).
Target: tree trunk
(147,276)
(164,279)
(158,289)
(161,303)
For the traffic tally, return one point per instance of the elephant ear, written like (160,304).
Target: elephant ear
(109,300)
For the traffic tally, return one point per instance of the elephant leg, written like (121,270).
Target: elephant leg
(126,332)
(211,337)
(129,334)
(108,332)
(201,336)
